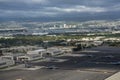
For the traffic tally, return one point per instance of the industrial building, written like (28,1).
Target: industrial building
(6,61)
(16,58)
(32,55)
(53,51)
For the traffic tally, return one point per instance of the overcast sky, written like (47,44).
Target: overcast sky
(60,9)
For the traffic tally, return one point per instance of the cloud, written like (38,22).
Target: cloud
(51,11)
(56,8)
(31,1)
(78,8)
(29,13)
(35,1)
(115,7)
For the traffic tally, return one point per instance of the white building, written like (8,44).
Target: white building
(67,49)
(39,52)
(32,55)
(53,51)
(28,57)
(6,61)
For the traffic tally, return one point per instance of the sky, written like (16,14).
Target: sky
(59,9)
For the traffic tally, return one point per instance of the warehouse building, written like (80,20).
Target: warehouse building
(6,61)
(32,55)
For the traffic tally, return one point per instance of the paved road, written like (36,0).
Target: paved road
(52,75)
